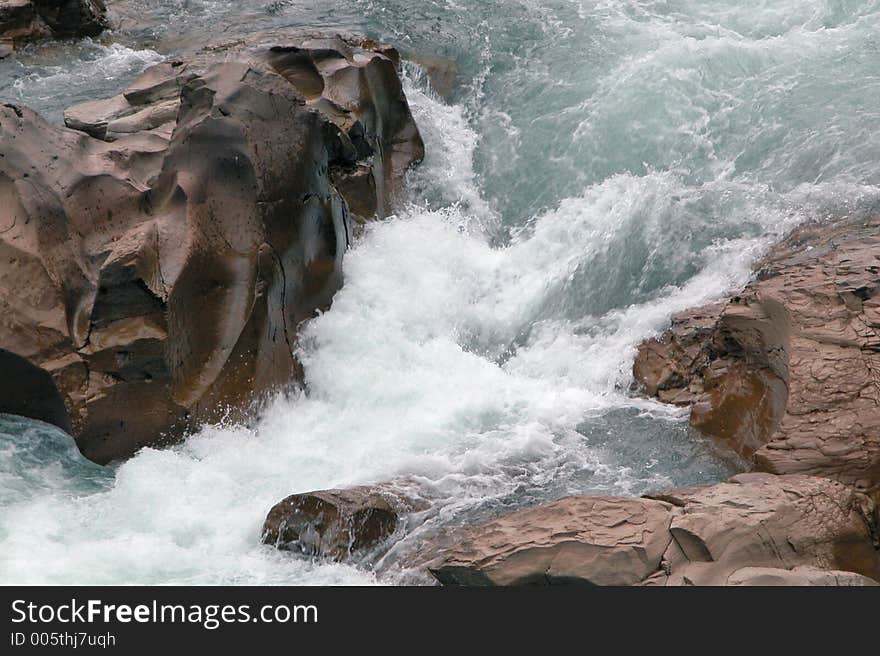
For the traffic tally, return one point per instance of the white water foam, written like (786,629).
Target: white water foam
(488,365)
(443,360)
(96,72)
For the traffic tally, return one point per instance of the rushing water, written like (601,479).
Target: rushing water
(596,166)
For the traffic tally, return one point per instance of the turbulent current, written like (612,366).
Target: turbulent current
(593,167)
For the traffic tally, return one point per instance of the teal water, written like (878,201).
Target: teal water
(595,167)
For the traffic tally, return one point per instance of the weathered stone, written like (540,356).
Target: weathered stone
(785,372)
(709,535)
(160,278)
(798,576)
(16,19)
(28,391)
(762,520)
(336,523)
(588,540)
(351,81)
(442,73)
(24,20)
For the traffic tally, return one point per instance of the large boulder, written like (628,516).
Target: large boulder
(785,372)
(25,20)
(352,82)
(159,273)
(755,529)
(767,521)
(588,540)
(337,524)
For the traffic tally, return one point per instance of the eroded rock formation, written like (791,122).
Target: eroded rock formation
(592,540)
(787,372)
(157,260)
(784,373)
(755,529)
(337,523)
(26,20)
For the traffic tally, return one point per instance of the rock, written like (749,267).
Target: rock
(798,576)
(16,19)
(25,20)
(337,523)
(785,372)
(159,276)
(72,18)
(587,540)
(744,531)
(352,82)
(28,391)
(442,73)
(762,520)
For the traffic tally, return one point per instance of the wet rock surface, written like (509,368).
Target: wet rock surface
(587,540)
(756,529)
(26,20)
(785,372)
(156,260)
(337,523)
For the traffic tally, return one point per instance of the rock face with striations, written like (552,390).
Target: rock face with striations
(786,372)
(157,260)
(756,529)
(25,20)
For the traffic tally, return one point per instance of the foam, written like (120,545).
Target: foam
(480,351)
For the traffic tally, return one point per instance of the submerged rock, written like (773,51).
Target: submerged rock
(159,273)
(744,531)
(786,371)
(336,523)
(25,20)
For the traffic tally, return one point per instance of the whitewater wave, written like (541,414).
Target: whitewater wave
(480,351)
(52,83)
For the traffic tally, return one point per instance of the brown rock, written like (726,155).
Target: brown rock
(785,372)
(336,523)
(588,540)
(442,73)
(16,19)
(24,20)
(711,535)
(798,576)
(159,274)
(762,520)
